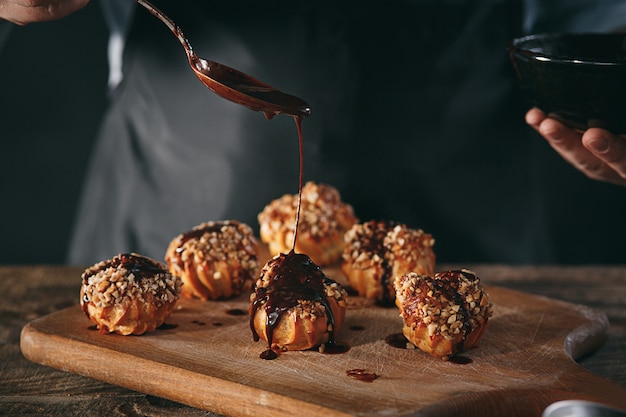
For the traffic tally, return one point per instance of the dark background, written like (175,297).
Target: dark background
(47,126)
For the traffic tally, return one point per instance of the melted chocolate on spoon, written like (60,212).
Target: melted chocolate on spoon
(232,84)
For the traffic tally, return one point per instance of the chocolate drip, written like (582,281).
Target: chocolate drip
(361,375)
(298,121)
(295,278)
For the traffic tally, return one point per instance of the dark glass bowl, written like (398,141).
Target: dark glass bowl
(579,79)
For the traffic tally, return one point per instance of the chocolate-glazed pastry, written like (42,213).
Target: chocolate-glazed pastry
(129,294)
(378,251)
(294,306)
(444,314)
(215,259)
(324,219)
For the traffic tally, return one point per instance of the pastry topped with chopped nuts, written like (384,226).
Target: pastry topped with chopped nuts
(295,306)
(444,314)
(129,294)
(377,251)
(216,259)
(324,218)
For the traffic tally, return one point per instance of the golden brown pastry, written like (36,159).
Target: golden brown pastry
(444,314)
(294,306)
(378,251)
(129,294)
(215,259)
(324,218)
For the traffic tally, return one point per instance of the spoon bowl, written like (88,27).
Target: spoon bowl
(231,84)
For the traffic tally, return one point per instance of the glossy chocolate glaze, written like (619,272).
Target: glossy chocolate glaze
(294,278)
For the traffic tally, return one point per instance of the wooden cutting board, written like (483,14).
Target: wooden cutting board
(205,357)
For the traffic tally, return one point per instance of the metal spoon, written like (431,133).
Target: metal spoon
(232,84)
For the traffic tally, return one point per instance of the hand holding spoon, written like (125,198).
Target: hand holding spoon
(232,84)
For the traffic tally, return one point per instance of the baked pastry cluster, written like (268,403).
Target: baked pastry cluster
(294,306)
(377,251)
(324,219)
(129,294)
(444,314)
(215,259)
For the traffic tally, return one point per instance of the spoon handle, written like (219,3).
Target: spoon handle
(171,25)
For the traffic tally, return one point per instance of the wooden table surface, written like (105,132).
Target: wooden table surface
(29,292)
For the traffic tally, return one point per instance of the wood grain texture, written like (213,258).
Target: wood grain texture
(209,361)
